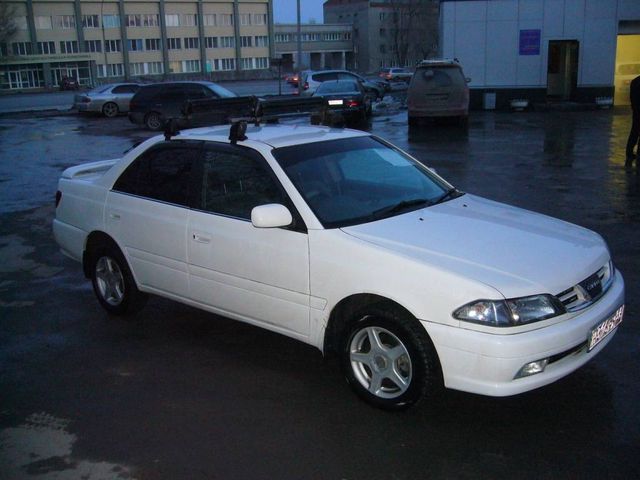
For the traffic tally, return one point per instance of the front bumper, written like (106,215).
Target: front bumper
(487,364)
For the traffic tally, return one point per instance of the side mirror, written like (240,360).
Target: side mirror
(272,215)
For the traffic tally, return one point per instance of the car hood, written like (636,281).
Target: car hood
(513,250)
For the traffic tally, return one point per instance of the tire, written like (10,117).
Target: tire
(110,110)
(398,372)
(153,121)
(113,283)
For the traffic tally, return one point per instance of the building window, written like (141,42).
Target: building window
(64,21)
(262,41)
(152,44)
(115,70)
(260,19)
(150,20)
(246,41)
(135,45)
(282,38)
(155,67)
(227,42)
(246,63)
(175,67)
(21,48)
(347,35)
(211,42)
(190,20)
(136,68)
(111,21)
(43,23)
(174,43)
(172,20)
(91,21)
(228,64)
(226,19)
(69,46)
(93,46)
(133,20)
(112,46)
(262,62)
(192,42)
(46,48)
(209,19)
(191,66)
(331,36)
(245,19)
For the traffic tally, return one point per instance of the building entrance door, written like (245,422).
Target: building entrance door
(562,69)
(21,79)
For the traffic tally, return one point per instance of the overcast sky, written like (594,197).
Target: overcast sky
(285,11)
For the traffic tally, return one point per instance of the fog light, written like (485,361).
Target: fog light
(532,368)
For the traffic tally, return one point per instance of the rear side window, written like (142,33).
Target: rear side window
(125,89)
(162,173)
(146,93)
(323,77)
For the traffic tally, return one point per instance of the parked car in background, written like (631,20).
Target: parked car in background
(69,83)
(312,79)
(346,98)
(154,104)
(396,74)
(109,100)
(438,88)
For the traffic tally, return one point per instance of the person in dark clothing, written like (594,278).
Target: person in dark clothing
(634,135)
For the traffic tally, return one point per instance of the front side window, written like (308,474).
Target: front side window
(357,180)
(234,183)
(163,173)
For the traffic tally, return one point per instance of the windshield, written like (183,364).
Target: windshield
(358,180)
(220,91)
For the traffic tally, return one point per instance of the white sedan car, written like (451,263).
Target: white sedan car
(341,240)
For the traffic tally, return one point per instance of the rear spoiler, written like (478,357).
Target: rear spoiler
(88,169)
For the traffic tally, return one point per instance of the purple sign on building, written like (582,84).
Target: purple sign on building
(529,42)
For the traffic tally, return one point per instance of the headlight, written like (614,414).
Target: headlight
(510,313)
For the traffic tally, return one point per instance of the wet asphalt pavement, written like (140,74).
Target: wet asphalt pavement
(182,394)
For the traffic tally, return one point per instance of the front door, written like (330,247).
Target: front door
(562,69)
(259,275)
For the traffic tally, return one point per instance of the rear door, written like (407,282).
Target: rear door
(260,275)
(147,212)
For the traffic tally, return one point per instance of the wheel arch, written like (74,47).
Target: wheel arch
(95,240)
(342,315)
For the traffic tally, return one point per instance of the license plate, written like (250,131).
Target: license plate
(600,331)
(335,102)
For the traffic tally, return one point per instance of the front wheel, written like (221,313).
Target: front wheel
(153,121)
(113,283)
(389,360)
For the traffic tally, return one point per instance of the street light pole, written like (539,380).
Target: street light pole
(299,52)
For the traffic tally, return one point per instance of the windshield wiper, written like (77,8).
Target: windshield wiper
(400,206)
(448,195)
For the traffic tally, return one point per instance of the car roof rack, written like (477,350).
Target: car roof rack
(246,109)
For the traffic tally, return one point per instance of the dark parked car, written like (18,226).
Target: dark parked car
(69,83)
(347,98)
(153,105)
(312,79)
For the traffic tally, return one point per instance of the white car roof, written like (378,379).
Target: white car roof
(274,135)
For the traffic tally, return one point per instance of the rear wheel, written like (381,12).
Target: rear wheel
(113,283)
(389,360)
(153,121)
(110,109)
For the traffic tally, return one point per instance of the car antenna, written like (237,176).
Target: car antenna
(171,129)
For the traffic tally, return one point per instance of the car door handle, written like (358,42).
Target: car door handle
(114,216)
(201,238)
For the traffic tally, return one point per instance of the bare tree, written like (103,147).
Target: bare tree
(8,26)
(412,26)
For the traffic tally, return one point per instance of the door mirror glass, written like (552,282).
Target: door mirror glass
(272,215)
